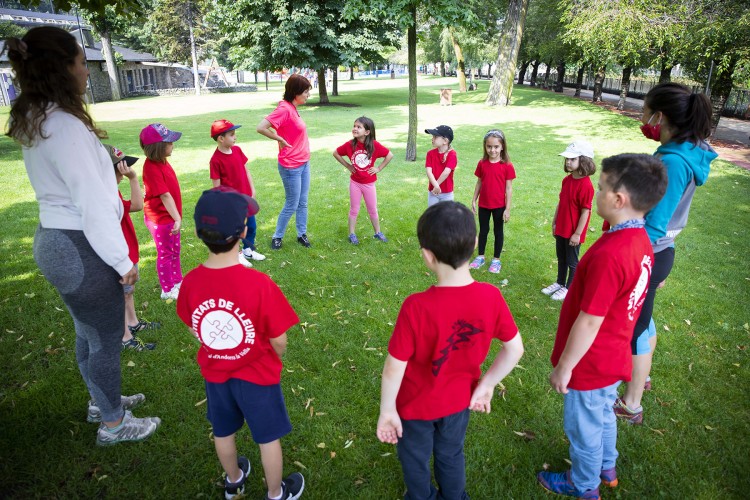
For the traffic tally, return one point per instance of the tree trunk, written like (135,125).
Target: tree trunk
(624,87)
(351,72)
(560,76)
(501,87)
(579,80)
(460,72)
(522,71)
(196,80)
(109,59)
(335,89)
(322,90)
(598,82)
(534,72)
(665,75)
(411,37)
(442,69)
(547,71)
(720,90)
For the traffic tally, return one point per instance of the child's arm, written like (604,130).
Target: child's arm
(341,160)
(582,335)
(250,180)
(443,175)
(389,423)
(216,182)
(508,197)
(554,219)
(279,344)
(433,182)
(136,195)
(575,238)
(374,170)
(474,198)
(504,362)
(169,204)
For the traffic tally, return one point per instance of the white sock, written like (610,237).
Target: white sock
(242,475)
(278,497)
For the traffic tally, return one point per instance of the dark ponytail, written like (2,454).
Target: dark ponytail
(688,114)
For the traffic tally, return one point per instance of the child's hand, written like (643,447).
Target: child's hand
(125,170)
(436,190)
(553,229)
(372,170)
(559,379)
(177,226)
(480,400)
(506,215)
(474,206)
(575,240)
(389,427)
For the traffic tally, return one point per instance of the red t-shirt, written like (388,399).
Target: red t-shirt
(575,196)
(158,179)
(438,162)
(128,230)
(360,161)
(610,281)
(234,311)
(229,169)
(444,335)
(494,177)
(290,126)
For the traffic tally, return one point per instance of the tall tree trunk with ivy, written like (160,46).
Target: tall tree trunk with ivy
(501,87)
(322,90)
(461,70)
(624,86)
(598,84)
(109,59)
(411,39)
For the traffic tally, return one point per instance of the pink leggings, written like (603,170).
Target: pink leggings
(356,192)
(167,253)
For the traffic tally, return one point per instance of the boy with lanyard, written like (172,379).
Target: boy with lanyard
(432,373)
(240,316)
(591,355)
(229,168)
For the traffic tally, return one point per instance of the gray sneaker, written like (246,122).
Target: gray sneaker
(130,429)
(128,403)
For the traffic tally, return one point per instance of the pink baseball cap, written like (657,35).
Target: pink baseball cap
(156,132)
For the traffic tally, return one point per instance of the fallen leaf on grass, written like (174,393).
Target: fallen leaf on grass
(19,338)
(348,443)
(666,327)
(385,454)
(658,431)
(23,358)
(568,461)
(321,445)
(527,435)
(333,454)
(201,402)
(299,464)
(545,466)
(29,295)
(688,322)
(709,428)
(746,326)
(690,367)
(334,365)
(131,364)
(101,477)
(307,404)
(58,309)
(312,410)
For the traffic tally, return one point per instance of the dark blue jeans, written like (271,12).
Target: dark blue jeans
(444,439)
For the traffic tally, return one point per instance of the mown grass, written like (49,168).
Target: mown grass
(695,438)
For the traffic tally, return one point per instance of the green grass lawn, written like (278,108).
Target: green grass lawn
(694,443)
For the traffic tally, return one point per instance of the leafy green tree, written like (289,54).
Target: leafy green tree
(9,30)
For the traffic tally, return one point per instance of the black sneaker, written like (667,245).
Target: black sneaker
(276,244)
(302,240)
(138,345)
(292,487)
(231,490)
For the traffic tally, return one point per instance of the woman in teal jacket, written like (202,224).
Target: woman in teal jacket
(681,121)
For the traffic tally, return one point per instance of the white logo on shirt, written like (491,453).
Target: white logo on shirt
(224,327)
(637,296)
(360,160)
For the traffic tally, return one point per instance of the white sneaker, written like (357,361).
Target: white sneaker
(560,293)
(253,254)
(242,260)
(551,289)
(172,294)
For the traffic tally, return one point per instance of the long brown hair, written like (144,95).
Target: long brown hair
(41,61)
(497,134)
(369,141)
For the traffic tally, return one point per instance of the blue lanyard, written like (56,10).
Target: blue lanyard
(628,224)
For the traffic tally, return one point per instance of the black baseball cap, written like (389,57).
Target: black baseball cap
(442,131)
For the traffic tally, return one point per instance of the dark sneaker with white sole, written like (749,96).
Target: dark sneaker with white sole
(291,487)
(276,244)
(231,490)
(302,240)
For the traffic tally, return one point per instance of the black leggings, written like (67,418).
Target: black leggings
(663,262)
(484,229)
(567,260)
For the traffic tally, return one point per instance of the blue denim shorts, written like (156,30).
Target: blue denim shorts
(262,406)
(641,344)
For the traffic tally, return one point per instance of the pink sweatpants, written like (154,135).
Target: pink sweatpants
(356,192)
(168,267)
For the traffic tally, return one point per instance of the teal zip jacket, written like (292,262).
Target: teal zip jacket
(687,167)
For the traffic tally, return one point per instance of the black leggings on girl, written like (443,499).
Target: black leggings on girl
(663,262)
(484,229)
(567,260)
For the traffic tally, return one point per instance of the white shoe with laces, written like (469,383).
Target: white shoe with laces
(560,294)
(242,260)
(549,290)
(249,253)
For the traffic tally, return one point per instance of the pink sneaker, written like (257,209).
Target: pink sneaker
(477,263)
(495,266)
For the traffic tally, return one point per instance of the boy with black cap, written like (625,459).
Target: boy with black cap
(440,164)
(133,325)
(240,316)
(228,167)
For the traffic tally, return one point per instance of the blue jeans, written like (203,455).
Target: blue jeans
(591,427)
(249,240)
(433,199)
(443,438)
(296,188)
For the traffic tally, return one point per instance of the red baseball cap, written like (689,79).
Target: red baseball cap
(220,126)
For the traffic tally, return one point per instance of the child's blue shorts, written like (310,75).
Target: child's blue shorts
(641,344)
(262,406)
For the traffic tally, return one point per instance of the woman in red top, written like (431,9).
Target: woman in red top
(285,126)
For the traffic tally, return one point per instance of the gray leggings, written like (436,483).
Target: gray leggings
(92,292)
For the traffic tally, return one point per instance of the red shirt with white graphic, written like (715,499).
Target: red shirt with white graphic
(361,162)
(234,312)
(610,281)
(444,335)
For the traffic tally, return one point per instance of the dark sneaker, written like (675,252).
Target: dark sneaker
(128,403)
(560,483)
(291,487)
(380,236)
(144,325)
(622,411)
(138,345)
(130,429)
(609,477)
(231,490)
(302,240)
(276,244)
(353,239)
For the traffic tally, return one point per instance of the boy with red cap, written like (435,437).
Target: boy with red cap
(240,316)
(228,167)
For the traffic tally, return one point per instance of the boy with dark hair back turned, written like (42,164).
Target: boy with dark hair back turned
(592,354)
(432,373)
(240,317)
